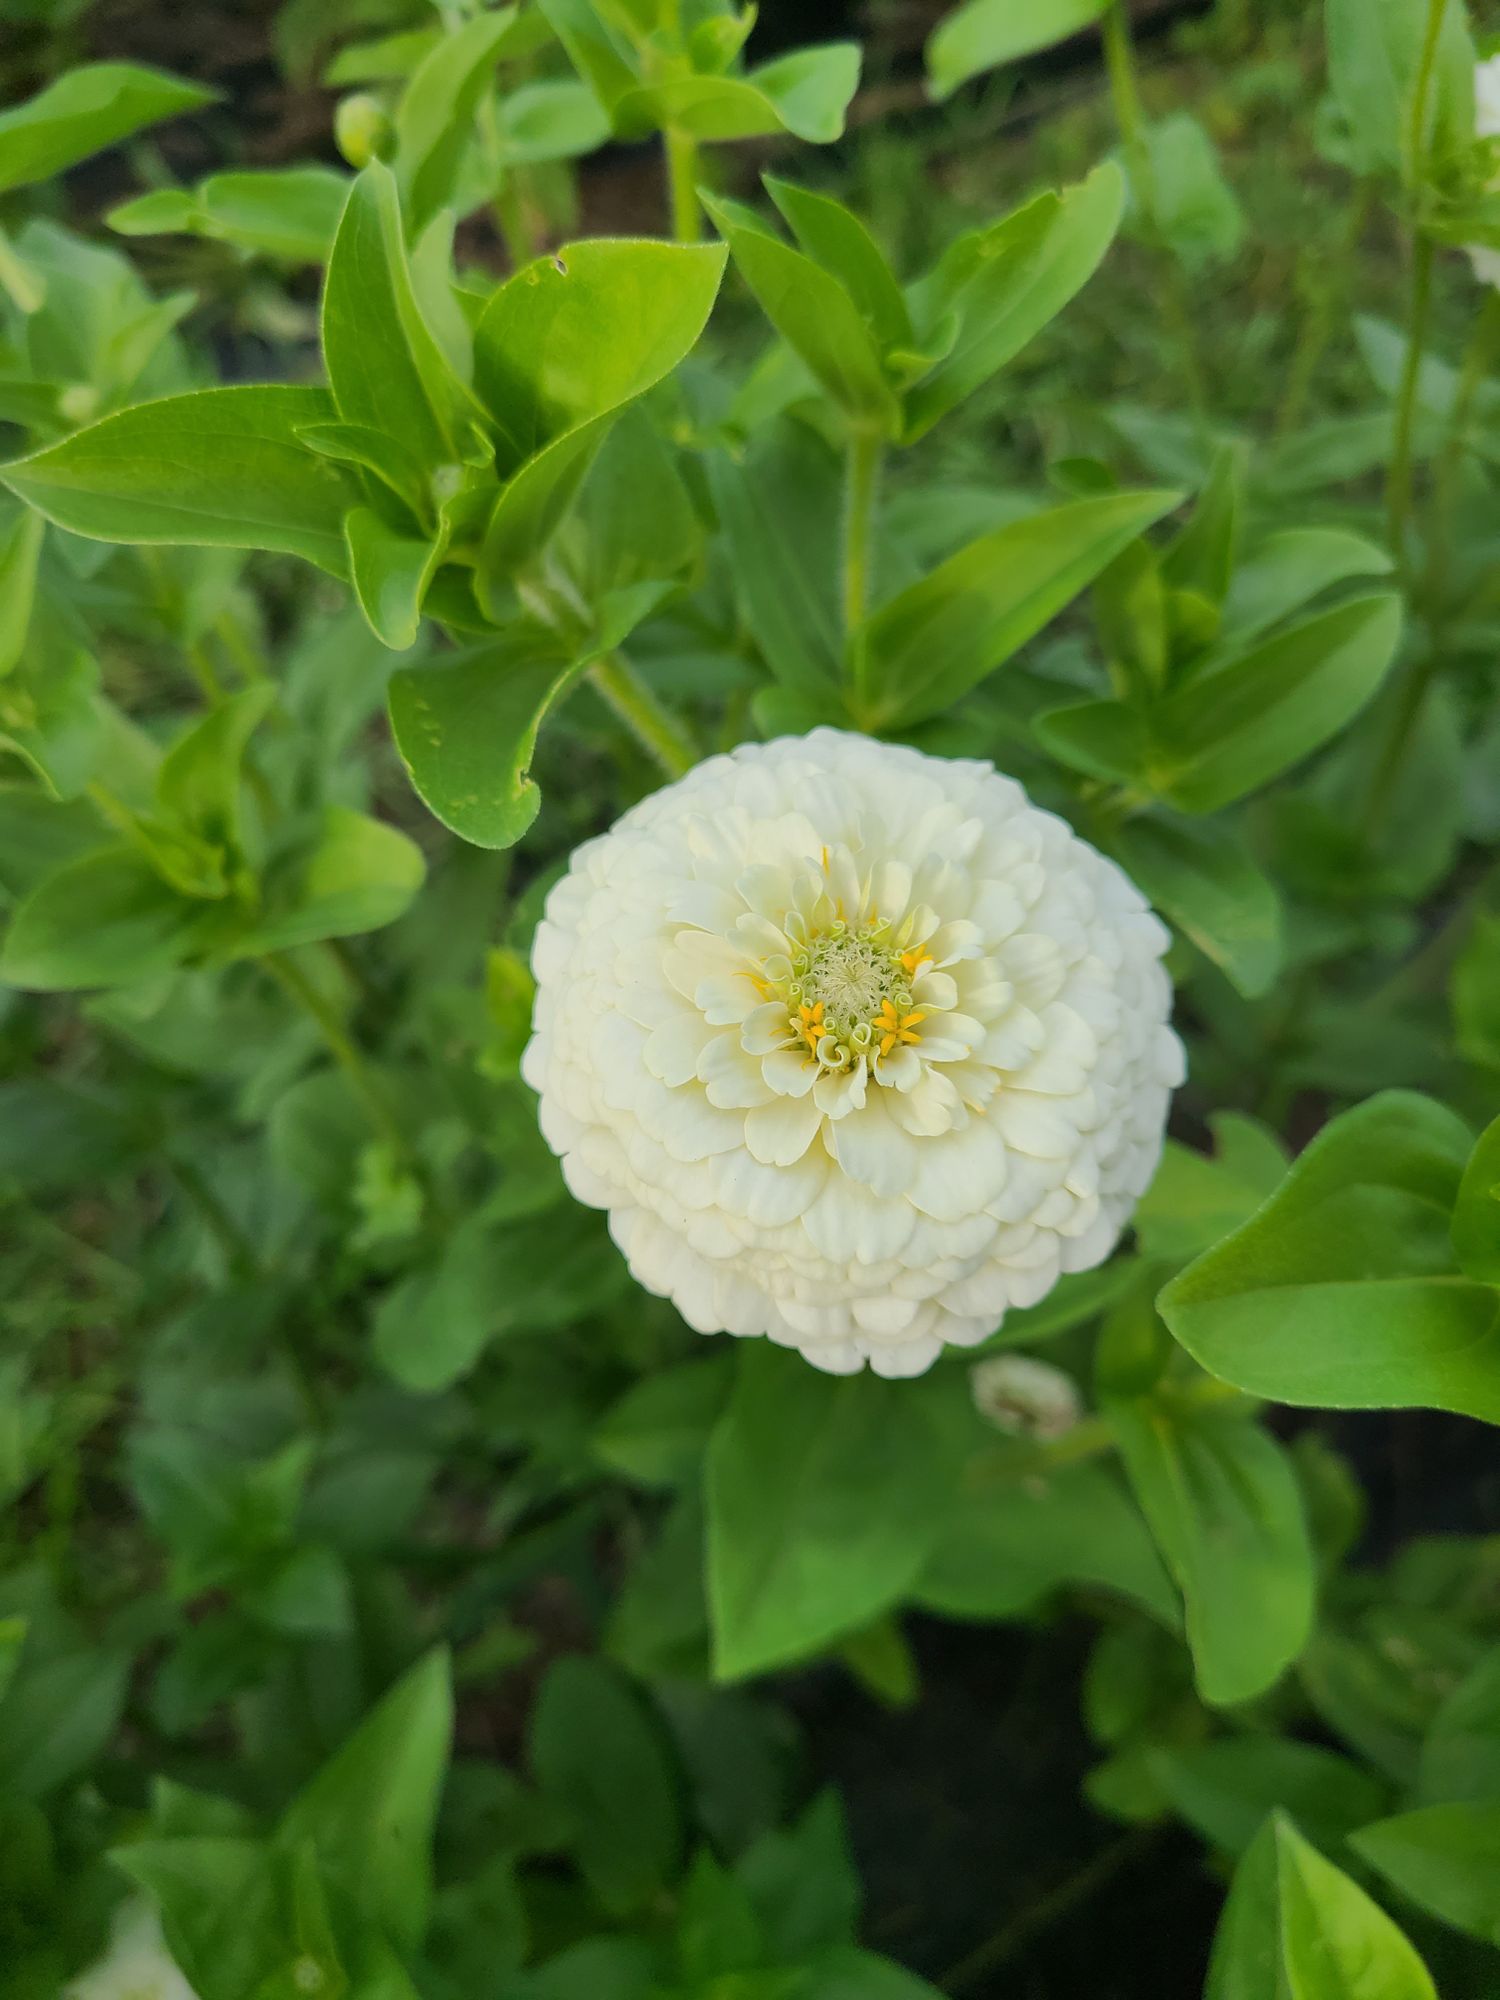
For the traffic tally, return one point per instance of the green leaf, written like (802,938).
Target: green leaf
(434,120)
(369,1813)
(1476,1216)
(385,366)
(432,1327)
(1341,1292)
(1476,992)
(588,329)
(466,727)
(531,509)
(658,1431)
(802,1881)
(1001,285)
(1460,1758)
(218,468)
(1195,209)
(1225,1789)
(834,237)
(930,645)
(806,92)
(604,1760)
(813,313)
(1336,1943)
(356,874)
(1287,569)
(825,1495)
(1194,1200)
(1201,877)
(390,573)
(1297,1928)
(555,118)
(291,213)
(983,34)
(1007,1547)
(20,549)
(198,781)
(1374,56)
(104,920)
(1446,1859)
(778,506)
(57,1714)
(1225,1507)
(85,111)
(1231,731)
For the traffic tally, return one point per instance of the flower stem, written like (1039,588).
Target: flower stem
(344,1050)
(861,486)
(1416,139)
(682,183)
(1124,90)
(653,726)
(1399,479)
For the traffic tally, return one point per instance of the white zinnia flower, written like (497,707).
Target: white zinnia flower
(1486,262)
(137,1965)
(857,1047)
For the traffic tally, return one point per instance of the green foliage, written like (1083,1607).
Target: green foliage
(397,1601)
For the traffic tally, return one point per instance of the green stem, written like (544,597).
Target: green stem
(1400,480)
(1130,116)
(510,220)
(236,643)
(1416,138)
(344,1050)
(653,726)
(861,486)
(682,183)
(1321,319)
(204,672)
(1050,1909)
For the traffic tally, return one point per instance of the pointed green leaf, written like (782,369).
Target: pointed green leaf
(218,467)
(390,573)
(83,112)
(1341,1292)
(983,34)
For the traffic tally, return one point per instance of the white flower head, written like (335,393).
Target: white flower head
(1025,1397)
(1486,262)
(856,1046)
(137,1965)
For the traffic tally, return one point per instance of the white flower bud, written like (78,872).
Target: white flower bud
(856,1046)
(1025,1397)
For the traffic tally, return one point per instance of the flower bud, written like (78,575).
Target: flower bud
(362,130)
(1025,1397)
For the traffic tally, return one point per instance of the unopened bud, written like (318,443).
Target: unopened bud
(1025,1397)
(361,129)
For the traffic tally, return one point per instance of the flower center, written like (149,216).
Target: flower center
(849,994)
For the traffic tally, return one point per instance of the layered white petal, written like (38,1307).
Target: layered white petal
(857,1047)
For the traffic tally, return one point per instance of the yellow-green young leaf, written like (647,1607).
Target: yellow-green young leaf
(825,1496)
(1336,1944)
(85,111)
(927,647)
(356,874)
(390,573)
(813,313)
(1476,1215)
(1446,1859)
(385,366)
(834,237)
(995,289)
(291,213)
(983,34)
(604,1759)
(1225,1507)
(1342,1291)
(466,727)
(104,920)
(369,1813)
(218,468)
(435,117)
(582,332)
(1201,877)
(556,118)
(806,93)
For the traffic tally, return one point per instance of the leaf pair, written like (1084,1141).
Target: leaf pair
(895,361)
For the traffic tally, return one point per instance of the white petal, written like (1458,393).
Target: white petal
(780,1132)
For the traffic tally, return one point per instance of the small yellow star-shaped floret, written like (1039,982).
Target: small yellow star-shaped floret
(896,1030)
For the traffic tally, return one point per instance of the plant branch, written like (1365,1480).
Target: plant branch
(652,724)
